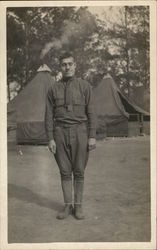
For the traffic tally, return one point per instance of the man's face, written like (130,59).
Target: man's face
(68,67)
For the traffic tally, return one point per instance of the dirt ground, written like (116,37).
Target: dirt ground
(116,195)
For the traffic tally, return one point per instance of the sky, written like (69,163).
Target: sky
(97,10)
(109,11)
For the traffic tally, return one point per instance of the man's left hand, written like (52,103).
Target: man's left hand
(91,144)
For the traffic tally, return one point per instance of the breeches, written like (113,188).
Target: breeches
(71,151)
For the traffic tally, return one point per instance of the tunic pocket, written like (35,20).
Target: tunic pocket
(59,102)
(79,107)
(59,107)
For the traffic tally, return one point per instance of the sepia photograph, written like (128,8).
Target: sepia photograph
(78,105)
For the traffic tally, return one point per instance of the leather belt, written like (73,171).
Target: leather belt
(64,125)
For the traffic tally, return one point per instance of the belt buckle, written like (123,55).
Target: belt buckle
(69,107)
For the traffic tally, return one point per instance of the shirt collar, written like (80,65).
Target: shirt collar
(70,79)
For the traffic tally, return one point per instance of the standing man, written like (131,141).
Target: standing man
(70,126)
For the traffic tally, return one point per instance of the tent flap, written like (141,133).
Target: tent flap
(27,109)
(113,108)
(31,132)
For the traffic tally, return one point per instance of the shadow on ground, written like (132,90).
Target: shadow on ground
(26,195)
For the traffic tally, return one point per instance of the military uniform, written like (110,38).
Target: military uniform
(70,121)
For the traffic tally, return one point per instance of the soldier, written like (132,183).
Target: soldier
(70,126)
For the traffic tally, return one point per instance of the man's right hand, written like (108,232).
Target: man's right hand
(52,146)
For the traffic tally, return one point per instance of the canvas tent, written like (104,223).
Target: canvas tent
(27,110)
(113,109)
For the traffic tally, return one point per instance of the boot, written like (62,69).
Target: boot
(78,194)
(78,212)
(68,209)
(67,194)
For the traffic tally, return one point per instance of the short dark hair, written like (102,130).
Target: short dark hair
(66,55)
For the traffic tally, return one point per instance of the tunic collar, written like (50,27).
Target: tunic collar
(68,80)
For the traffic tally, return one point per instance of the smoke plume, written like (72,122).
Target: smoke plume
(71,31)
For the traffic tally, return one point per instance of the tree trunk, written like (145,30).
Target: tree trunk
(8,89)
(127,52)
(26,53)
